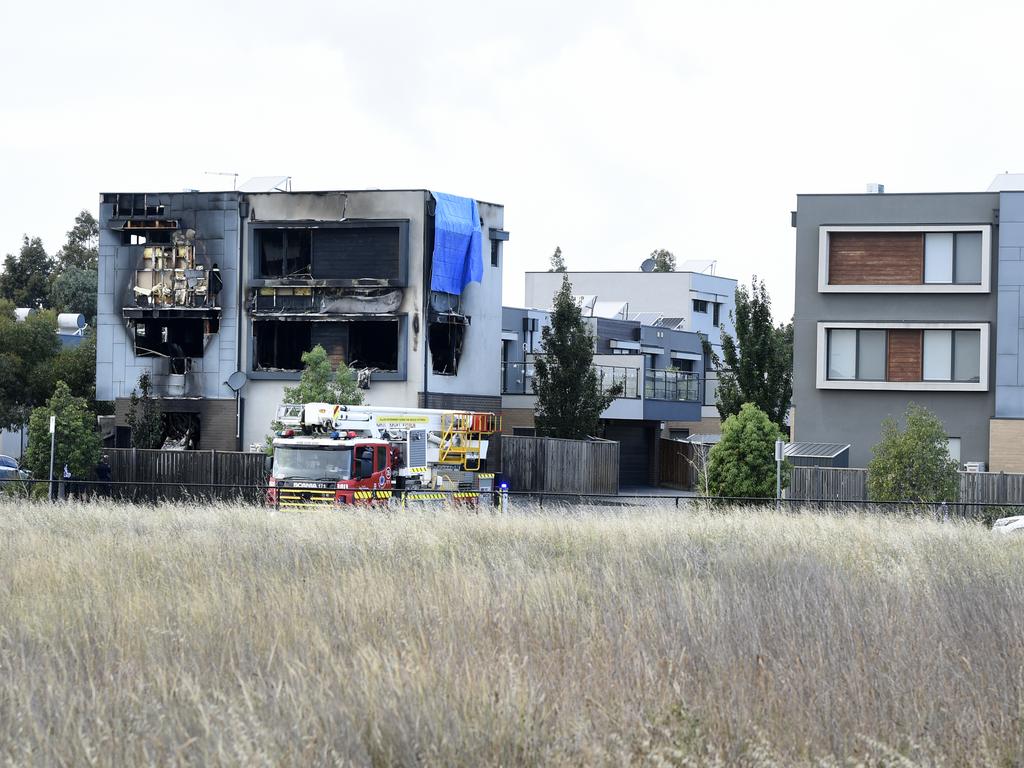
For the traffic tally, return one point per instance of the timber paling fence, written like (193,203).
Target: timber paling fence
(550,465)
(975,489)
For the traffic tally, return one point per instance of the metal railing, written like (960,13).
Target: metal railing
(670,384)
(517,379)
(256,495)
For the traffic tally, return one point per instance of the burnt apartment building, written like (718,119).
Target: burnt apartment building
(216,295)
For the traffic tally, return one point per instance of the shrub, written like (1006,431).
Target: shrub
(913,464)
(742,464)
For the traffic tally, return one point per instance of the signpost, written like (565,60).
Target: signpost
(779,448)
(53,443)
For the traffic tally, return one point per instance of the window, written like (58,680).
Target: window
(952,355)
(953,445)
(871,355)
(717,307)
(283,252)
(842,354)
(370,250)
(952,258)
(382,458)
(495,252)
(699,305)
(279,344)
(856,355)
(938,355)
(910,356)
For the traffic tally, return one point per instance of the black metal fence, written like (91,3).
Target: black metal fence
(256,494)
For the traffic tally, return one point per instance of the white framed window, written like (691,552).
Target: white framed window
(952,258)
(854,355)
(960,260)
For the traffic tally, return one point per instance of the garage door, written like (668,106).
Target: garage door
(634,447)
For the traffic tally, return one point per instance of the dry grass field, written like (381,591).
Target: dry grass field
(238,636)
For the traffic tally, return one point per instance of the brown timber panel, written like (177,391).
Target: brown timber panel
(875,258)
(560,466)
(904,363)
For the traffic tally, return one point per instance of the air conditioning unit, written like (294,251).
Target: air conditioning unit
(975,466)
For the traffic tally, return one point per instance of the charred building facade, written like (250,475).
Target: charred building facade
(404,286)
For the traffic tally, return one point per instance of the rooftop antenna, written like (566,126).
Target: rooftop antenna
(234,176)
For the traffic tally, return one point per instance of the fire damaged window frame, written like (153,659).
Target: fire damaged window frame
(403,344)
(259,281)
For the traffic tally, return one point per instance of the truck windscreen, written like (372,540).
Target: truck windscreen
(313,463)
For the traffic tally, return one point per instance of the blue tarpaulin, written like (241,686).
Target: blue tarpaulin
(458,260)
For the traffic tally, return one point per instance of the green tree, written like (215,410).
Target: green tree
(77,443)
(74,290)
(76,367)
(913,464)
(557,262)
(664,261)
(756,366)
(81,250)
(742,463)
(569,396)
(25,280)
(27,351)
(144,417)
(319,383)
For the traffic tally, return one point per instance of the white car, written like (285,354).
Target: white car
(1007,525)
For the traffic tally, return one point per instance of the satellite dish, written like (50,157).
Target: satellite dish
(236,380)
(648,265)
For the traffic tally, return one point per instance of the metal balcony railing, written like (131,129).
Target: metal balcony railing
(669,384)
(517,379)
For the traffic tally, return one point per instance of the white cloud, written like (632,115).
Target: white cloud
(609,129)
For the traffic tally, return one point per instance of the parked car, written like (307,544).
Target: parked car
(1009,525)
(8,461)
(13,473)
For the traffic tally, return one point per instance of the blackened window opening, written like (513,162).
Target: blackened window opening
(446,347)
(171,337)
(358,343)
(283,252)
(279,345)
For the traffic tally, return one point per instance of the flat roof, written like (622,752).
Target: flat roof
(622,272)
(278,192)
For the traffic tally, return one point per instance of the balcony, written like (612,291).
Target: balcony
(672,385)
(517,379)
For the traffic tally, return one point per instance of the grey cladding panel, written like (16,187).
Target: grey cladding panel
(354,252)
(417,448)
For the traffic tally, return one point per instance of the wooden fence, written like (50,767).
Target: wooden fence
(676,462)
(559,466)
(833,484)
(191,474)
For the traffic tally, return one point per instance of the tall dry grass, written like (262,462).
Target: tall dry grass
(239,636)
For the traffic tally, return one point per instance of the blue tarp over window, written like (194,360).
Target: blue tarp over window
(458,259)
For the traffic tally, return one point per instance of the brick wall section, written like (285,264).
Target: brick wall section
(1006,445)
(876,258)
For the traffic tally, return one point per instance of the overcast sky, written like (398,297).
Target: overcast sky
(610,129)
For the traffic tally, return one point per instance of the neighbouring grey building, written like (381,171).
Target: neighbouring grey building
(660,369)
(691,299)
(906,298)
(403,285)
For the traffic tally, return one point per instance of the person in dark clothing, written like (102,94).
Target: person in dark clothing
(103,475)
